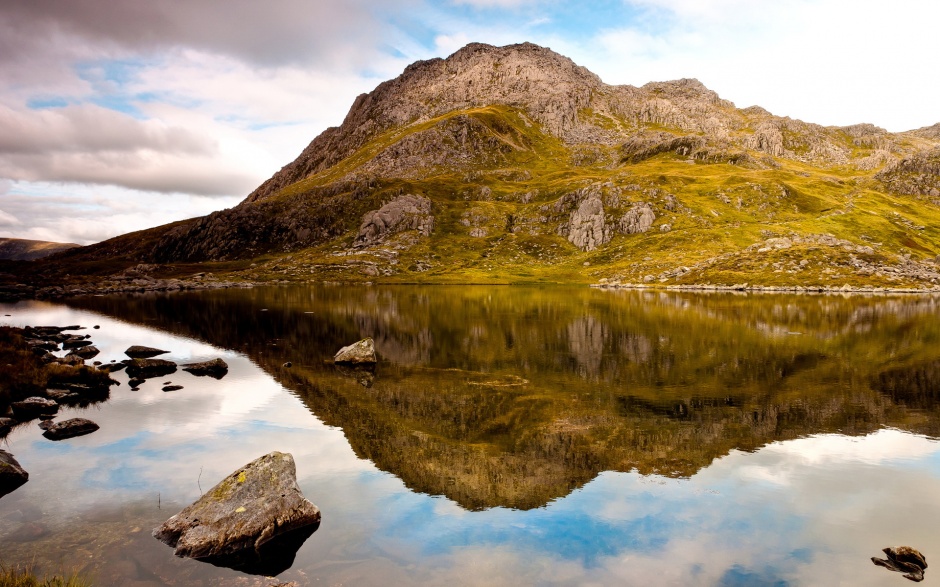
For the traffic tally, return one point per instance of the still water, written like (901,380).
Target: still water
(508,436)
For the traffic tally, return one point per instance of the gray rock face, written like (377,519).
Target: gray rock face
(406,212)
(148,368)
(216,368)
(143,352)
(586,227)
(12,474)
(254,505)
(638,219)
(69,429)
(359,353)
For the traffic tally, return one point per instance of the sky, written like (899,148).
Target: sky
(119,115)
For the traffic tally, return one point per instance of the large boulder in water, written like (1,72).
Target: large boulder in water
(143,352)
(33,407)
(12,474)
(234,522)
(359,353)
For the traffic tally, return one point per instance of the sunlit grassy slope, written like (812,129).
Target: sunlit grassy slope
(509,180)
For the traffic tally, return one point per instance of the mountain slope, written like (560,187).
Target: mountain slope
(503,164)
(18,249)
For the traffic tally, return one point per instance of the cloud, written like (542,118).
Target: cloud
(8,219)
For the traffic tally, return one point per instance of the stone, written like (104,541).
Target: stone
(406,212)
(149,368)
(638,219)
(74,343)
(32,407)
(12,475)
(235,523)
(586,226)
(172,387)
(143,352)
(216,368)
(86,352)
(70,429)
(903,559)
(111,367)
(358,353)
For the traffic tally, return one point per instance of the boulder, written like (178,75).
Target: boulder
(76,343)
(12,474)
(32,407)
(359,353)
(216,368)
(143,352)
(172,387)
(149,368)
(233,523)
(903,559)
(406,212)
(87,352)
(111,367)
(70,429)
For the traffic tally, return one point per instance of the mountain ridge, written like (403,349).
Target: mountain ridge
(666,183)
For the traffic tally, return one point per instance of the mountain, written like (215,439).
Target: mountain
(508,164)
(18,249)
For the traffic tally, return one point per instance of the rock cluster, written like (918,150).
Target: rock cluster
(407,212)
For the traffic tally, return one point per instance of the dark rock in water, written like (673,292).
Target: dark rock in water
(44,345)
(359,353)
(215,368)
(149,368)
(6,424)
(172,387)
(73,343)
(32,407)
(46,424)
(70,429)
(272,558)
(86,352)
(70,359)
(903,559)
(136,382)
(111,367)
(12,474)
(143,352)
(235,523)
(288,365)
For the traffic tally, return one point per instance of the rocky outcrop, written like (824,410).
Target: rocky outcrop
(638,219)
(18,249)
(587,229)
(216,368)
(237,518)
(69,429)
(358,353)
(12,474)
(916,175)
(407,212)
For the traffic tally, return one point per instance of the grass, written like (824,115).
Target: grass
(24,577)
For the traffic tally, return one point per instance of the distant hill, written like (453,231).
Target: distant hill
(18,249)
(514,164)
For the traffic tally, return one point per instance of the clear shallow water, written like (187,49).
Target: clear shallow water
(509,436)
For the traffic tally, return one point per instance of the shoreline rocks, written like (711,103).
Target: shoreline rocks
(143,352)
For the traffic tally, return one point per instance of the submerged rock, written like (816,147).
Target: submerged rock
(359,353)
(903,559)
(235,522)
(12,475)
(70,429)
(149,368)
(143,352)
(216,368)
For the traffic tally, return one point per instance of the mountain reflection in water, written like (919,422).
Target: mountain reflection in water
(514,397)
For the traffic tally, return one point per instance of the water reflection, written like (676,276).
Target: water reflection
(516,396)
(574,436)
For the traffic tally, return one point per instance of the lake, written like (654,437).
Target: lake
(507,436)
